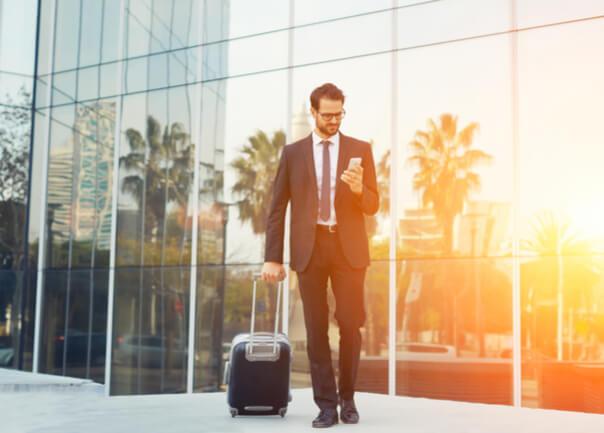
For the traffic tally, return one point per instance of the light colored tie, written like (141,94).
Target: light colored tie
(325,206)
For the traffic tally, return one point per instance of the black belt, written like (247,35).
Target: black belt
(327,228)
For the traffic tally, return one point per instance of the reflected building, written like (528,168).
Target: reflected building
(419,232)
(300,124)
(60,187)
(95,126)
(484,228)
(80,178)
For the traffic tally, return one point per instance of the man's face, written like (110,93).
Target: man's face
(329,116)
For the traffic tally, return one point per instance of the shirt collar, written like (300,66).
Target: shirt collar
(334,139)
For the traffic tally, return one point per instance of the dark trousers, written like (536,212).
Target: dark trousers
(328,262)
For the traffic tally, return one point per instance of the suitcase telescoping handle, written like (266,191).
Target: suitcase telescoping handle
(253,316)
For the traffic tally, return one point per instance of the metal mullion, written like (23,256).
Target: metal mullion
(114,197)
(195,225)
(96,219)
(74,192)
(290,100)
(26,270)
(43,203)
(393,208)
(516,294)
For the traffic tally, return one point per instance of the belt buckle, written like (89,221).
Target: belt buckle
(331,228)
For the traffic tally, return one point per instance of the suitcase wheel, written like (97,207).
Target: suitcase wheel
(233,412)
(282,411)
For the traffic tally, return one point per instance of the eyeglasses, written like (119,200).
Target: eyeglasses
(328,116)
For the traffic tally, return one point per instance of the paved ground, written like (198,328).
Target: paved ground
(84,410)
(23,381)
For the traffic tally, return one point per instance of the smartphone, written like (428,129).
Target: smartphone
(353,162)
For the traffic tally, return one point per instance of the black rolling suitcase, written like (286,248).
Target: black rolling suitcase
(258,370)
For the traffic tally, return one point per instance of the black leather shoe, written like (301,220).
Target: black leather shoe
(326,418)
(348,412)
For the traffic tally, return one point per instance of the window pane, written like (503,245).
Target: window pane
(88,84)
(455,158)
(18,36)
(111,22)
(538,12)
(66,34)
(90,39)
(246,118)
(109,80)
(75,323)
(95,123)
(243,54)
(60,187)
(138,24)
(560,214)
(454,330)
(158,71)
(451,20)
(15,89)
(64,88)
(136,73)
(185,25)
(316,10)
(150,331)
(342,39)
(240,11)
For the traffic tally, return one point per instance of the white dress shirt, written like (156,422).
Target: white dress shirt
(317,150)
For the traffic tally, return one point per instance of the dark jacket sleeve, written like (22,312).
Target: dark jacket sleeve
(369,200)
(275,226)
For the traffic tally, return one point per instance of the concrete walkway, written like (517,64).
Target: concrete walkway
(24,381)
(91,412)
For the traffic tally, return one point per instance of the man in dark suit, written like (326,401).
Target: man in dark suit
(329,196)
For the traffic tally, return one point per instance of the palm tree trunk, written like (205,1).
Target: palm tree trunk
(162,281)
(448,236)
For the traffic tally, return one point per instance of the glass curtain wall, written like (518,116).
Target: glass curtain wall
(496,143)
(17,282)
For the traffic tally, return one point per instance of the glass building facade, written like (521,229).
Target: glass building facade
(139,143)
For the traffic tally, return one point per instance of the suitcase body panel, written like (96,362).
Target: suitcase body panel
(259,368)
(259,385)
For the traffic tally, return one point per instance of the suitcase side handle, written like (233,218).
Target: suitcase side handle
(253,315)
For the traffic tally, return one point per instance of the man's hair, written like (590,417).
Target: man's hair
(327,91)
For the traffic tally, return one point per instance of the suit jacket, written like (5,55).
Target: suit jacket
(296,182)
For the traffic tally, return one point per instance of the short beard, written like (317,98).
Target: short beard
(326,132)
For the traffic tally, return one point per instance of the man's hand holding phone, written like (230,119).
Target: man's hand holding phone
(353,175)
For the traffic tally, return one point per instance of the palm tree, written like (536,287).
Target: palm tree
(563,273)
(383,179)
(445,159)
(159,171)
(14,161)
(256,169)
(159,175)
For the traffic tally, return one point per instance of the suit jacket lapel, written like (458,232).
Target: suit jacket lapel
(343,157)
(309,161)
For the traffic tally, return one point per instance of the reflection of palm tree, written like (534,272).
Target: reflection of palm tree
(256,169)
(564,268)
(554,236)
(445,159)
(383,177)
(162,176)
(158,176)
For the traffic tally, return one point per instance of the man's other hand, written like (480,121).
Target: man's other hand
(273,272)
